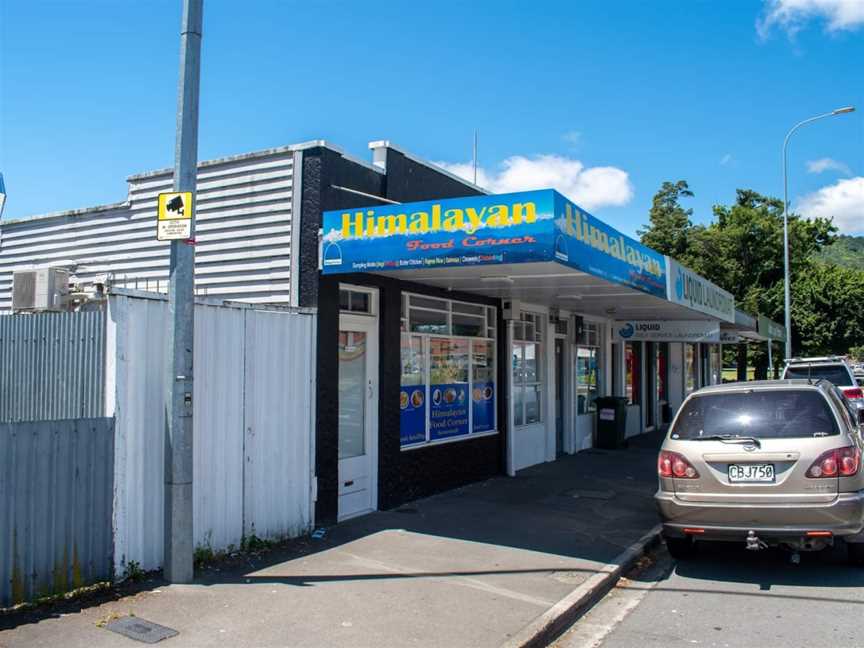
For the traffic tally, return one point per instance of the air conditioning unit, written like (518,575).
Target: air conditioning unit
(43,289)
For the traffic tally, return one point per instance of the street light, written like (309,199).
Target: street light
(787,299)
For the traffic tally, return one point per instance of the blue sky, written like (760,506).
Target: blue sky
(603,100)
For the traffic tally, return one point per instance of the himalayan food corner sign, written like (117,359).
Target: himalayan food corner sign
(524,227)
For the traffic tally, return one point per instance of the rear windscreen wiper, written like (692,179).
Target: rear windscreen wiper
(728,438)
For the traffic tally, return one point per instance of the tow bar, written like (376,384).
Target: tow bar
(754,543)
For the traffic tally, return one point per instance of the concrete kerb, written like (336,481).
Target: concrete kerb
(545,628)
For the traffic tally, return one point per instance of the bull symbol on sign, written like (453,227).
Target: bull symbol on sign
(176,205)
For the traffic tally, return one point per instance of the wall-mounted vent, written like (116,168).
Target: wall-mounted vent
(44,289)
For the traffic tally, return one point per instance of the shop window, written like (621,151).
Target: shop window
(428,321)
(355,301)
(586,379)
(448,370)
(633,377)
(412,395)
(690,368)
(468,325)
(527,369)
(482,385)
(590,334)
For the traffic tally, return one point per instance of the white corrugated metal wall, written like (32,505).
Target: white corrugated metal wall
(253,425)
(243,221)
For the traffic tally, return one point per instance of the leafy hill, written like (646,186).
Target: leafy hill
(845,251)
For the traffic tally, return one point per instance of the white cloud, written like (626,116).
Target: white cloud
(791,15)
(842,201)
(726,159)
(827,164)
(589,187)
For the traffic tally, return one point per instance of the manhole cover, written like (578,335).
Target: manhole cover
(592,494)
(141,630)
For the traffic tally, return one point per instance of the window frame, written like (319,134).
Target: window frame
(536,322)
(489,315)
(371,296)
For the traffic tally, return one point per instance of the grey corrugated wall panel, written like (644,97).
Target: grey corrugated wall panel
(253,425)
(56,482)
(243,221)
(52,366)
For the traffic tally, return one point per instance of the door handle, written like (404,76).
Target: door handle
(371,391)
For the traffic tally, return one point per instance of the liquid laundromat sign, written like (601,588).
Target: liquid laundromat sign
(523,227)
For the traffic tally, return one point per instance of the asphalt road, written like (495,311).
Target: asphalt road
(729,597)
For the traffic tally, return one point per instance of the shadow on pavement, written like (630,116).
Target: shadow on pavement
(722,562)
(573,515)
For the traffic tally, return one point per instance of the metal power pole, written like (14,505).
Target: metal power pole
(787,300)
(179,566)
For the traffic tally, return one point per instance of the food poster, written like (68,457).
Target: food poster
(412,393)
(483,386)
(483,398)
(448,372)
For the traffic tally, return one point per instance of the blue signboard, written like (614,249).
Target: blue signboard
(483,406)
(412,417)
(480,230)
(524,227)
(585,243)
(448,411)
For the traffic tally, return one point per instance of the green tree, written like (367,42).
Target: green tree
(741,250)
(670,228)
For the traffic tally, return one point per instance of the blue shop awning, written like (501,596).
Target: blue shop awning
(486,244)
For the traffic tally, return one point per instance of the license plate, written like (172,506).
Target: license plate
(751,473)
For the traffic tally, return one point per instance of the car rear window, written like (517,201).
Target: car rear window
(763,414)
(837,374)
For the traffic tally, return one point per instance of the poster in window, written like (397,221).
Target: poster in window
(412,392)
(483,387)
(483,398)
(449,398)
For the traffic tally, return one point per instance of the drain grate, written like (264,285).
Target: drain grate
(141,630)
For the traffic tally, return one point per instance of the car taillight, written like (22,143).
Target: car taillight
(841,462)
(672,464)
(853,393)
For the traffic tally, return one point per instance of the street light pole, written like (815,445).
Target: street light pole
(786,293)
(178,559)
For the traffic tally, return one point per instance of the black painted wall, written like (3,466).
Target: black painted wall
(402,476)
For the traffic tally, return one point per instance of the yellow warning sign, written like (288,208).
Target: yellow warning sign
(175,211)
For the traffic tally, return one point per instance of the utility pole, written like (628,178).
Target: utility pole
(178,560)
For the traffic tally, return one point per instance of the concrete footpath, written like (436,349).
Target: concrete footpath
(484,565)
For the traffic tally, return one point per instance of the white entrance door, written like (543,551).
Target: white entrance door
(358,415)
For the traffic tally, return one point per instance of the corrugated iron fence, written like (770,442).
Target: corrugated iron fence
(80,496)
(253,426)
(52,366)
(56,481)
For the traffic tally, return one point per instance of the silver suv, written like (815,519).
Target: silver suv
(764,463)
(835,369)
